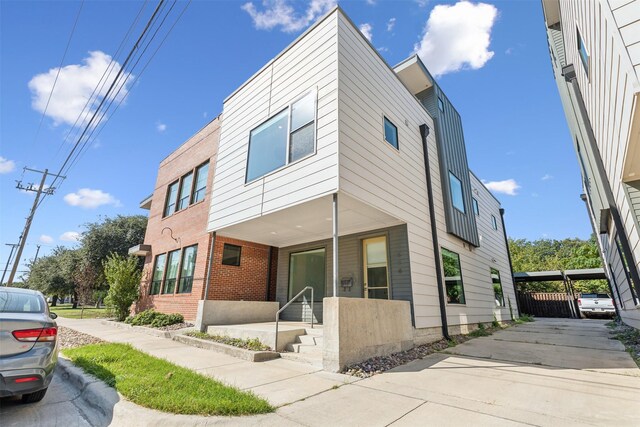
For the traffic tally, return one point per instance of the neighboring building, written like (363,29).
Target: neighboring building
(595,53)
(356,174)
(177,246)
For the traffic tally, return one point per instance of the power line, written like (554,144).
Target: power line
(64,55)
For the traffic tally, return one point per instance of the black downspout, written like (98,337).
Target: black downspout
(513,279)
(569,74)
(269,260)
(424,132)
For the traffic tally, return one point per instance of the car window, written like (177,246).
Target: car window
(603,296)
(589,296)
(14,302)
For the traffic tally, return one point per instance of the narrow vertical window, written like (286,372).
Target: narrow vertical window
(584,55)
(172,272)
(497,287)
(200,187)
(494,222)
(185,191)
(627,271)
(158,271)
(453,277)
(390,133)
(170,201)
(440,105)
(188,267)
(457,196)
(476,208)
(302,140)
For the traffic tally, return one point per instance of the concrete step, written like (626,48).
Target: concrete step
(304,348)
(312,359)
(309,340)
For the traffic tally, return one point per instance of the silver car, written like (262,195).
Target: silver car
(28,344)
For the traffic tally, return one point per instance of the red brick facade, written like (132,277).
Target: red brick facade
(187,227)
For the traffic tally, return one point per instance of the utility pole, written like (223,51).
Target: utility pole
(41,189)
(6,267)
(37,252)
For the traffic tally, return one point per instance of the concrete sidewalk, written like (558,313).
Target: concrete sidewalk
(551,372)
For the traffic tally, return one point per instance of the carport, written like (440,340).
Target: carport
(551,301)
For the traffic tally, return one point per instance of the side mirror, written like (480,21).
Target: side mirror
(53,315)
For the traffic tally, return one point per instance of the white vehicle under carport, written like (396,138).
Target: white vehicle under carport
(593,303)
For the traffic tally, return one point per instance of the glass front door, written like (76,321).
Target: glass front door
(307,269)
(376,268)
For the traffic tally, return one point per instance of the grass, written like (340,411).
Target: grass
(158,384)
(480,332)
(65,310)
(252,344)
(628,336)
(524,318)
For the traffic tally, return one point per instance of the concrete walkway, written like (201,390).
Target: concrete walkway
(551,372)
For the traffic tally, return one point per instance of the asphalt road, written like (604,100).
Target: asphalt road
(58,408)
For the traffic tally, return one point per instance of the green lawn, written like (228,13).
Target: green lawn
(65,310)
(159,384)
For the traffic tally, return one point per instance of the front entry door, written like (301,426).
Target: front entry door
(376,268)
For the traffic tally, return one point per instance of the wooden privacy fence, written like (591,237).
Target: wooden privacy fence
(546,304)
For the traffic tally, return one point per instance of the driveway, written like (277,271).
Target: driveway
(550,372)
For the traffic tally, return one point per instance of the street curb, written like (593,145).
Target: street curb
(229,350)
(94,394)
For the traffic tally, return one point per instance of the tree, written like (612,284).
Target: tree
(49,275)
(123,276)
(548,254)
(110,236)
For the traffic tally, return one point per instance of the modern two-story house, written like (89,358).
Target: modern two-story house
(355,173)
(595,55)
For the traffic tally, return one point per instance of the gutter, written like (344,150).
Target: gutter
(506,242)
(212,248)
(424,132)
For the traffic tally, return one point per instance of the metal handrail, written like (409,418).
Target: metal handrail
(306,288)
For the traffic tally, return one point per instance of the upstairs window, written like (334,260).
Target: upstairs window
(185,191)
(200,187)
(457,196)
(494,222)
(476,208)
(172,197)
(584,55)
(285,138)
(440,105)
(390,133)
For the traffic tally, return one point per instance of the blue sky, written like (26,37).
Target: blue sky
(494,67)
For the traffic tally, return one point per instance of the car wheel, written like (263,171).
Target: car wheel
(34,397)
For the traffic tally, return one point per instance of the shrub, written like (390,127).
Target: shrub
(495,322)
(154,319)
(123,276)
(253,344)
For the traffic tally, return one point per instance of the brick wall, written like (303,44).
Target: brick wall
(248,281)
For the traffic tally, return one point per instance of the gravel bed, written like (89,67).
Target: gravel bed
(70,338)
(629,336)
(378,365)
(174,327)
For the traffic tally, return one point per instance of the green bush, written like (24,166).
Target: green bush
(253,344)
(154,319)
(123,276)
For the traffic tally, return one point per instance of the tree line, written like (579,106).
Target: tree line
(550,254)
(80,272)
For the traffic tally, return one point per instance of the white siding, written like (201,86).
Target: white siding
(309,63)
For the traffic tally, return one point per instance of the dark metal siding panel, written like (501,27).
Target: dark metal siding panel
(452,154)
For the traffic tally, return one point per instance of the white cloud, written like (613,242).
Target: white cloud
(90,199)
(6,165)
(547,177)
(46,239)
(371,2)
(161,127)
(280,13)
(74,87)
(70,236)
(390,24)
(366,30)
(422,3)
(509,51)
(508,186)
(457,37)
(383,49)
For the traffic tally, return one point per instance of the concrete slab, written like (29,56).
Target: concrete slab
(350,405)
(582,341)
(556,356)
(438,414)
(242,375)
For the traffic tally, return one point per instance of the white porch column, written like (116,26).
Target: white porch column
(335,245)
